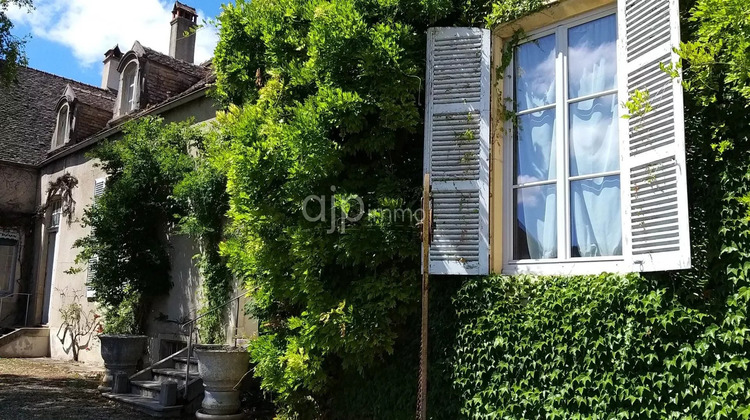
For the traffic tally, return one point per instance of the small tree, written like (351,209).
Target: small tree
(78,324)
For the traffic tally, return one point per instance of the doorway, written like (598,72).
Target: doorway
(49,270)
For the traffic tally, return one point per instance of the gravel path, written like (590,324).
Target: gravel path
(55,390)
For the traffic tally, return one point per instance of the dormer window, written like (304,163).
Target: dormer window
(129,89)
(62,129)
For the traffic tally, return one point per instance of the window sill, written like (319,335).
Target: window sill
(584,266)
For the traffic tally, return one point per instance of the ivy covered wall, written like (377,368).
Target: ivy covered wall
(662,345)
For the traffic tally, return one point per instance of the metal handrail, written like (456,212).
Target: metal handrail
(192,330)
(28,296)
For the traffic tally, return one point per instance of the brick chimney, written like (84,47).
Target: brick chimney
(184,19)
(110,75)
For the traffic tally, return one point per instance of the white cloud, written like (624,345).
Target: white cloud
(91,27)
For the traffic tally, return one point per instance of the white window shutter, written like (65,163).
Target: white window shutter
(99,185)
(656,233)
(90,293)
(457,138)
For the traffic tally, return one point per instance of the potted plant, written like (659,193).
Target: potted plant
(221,368)
(121,344)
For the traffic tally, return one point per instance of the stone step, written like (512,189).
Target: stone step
(147,405)
(172,375)
(193,360)
(180,364)
(149,389)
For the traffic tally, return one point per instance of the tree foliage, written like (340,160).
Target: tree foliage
(132,221)
(12,53)
(328,106)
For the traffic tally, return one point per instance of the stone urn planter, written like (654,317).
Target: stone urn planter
(221,368)
(121,353)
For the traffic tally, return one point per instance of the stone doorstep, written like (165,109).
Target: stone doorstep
(181,362)
(146,405)
(25,343)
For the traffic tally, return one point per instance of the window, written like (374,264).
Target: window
(8,256)
(62,129)
(565,171)
(565,182)
(129,89)
(56,215)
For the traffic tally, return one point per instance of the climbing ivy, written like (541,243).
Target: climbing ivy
(202,195)
(603,346)
(505,11)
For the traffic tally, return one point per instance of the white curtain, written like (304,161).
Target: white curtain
(594,149)
(536,151)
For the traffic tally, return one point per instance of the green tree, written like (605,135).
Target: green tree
(131,222)
(12,53)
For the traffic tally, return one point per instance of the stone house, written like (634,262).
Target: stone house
(59,121)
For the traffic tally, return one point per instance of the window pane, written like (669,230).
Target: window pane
(55,216)
(535,73)
(595,217)
(62,126)
(593,136)
(131,92)
(535,226)
(535,147)
(592,57)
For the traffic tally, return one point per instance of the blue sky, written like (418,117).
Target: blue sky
(69,37)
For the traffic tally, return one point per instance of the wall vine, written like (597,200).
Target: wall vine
(61,187)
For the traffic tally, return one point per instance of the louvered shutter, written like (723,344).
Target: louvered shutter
(99,185)
(457,121)
(653,150)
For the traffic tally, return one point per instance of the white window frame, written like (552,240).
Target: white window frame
(56,211)
(60,139)
(128,103)
(563,264)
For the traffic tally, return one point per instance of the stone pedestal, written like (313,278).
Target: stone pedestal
(120,354)
(221,368)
